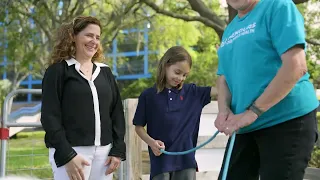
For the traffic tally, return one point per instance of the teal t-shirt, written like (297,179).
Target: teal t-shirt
(250,57)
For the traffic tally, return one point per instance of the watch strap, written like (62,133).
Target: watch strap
(255,109)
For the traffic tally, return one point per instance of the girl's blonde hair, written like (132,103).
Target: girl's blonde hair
(173,55)
(64,47)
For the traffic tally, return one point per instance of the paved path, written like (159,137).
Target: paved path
(209,159)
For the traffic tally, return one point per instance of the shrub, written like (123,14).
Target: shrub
(315,156)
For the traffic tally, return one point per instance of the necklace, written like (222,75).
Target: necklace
(86,70)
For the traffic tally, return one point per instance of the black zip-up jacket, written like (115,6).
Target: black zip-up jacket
(79,112)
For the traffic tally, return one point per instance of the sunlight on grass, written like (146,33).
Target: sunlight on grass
(27,155)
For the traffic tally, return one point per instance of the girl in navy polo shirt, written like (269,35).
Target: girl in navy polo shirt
(171,110)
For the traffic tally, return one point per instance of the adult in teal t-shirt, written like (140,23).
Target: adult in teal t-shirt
(264,92)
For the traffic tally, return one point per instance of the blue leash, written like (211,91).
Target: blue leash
(226,165)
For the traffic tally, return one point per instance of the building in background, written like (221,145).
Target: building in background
(127,61)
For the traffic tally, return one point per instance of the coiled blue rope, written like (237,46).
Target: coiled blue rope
(227,161)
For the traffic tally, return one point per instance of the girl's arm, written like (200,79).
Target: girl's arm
(213,92)
(142,133)
(155,145)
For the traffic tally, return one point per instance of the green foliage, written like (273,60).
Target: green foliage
(318,118)
(315,156)
(310,13)
(29,44)
(4,90)
(198,39)
(167,32)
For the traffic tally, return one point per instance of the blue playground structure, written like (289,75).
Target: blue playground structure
(136,59)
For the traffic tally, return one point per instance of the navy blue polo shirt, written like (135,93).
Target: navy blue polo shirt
(172,116)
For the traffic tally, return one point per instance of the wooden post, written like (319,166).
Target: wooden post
(133,142)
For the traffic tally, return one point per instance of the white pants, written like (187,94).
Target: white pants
(95,155)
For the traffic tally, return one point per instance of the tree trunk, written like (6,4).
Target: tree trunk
(299,1)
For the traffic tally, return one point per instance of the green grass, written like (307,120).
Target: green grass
(27,155)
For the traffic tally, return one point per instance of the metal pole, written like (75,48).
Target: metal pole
(126,166)
(120,173)
(5,124)
(24,125)
(4,141)
(3,158)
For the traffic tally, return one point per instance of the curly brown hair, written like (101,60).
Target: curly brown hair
(64,46)
(171,56)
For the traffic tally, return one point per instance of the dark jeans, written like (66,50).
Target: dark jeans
(281,152)
(186,174)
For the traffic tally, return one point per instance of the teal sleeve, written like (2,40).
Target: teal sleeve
(286,26)
(219,72)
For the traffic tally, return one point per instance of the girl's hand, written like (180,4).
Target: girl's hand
(75,167)
(155,146)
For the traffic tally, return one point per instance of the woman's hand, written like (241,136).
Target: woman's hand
(221,119)
(113,162)
(156,145)
(235,122)
(75,167)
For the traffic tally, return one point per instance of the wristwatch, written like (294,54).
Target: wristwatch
(255,109)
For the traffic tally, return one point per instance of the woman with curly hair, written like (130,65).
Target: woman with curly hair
(81,112)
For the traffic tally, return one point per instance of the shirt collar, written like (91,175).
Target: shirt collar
(96,72)
(175,90)
(73,61)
